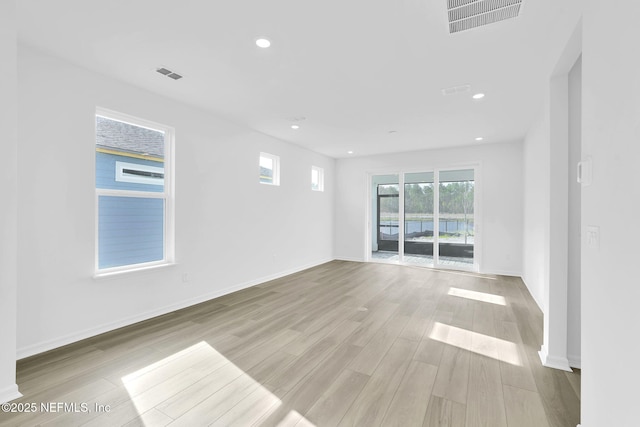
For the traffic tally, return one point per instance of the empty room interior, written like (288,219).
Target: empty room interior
(412,213)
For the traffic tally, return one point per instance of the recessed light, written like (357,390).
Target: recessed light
(350,152)
(478,96)
(295,127)
(263,43)
(479,138)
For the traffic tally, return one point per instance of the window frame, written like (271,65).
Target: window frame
(320,172)
(275,178)
(167,194)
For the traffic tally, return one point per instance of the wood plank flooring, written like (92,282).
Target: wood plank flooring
(341,344)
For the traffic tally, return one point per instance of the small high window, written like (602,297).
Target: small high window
(317,178)
(269,169)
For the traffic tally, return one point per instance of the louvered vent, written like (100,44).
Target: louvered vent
(468,14)
(167,72)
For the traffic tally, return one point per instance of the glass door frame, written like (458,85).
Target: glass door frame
(477,255)
(379,226)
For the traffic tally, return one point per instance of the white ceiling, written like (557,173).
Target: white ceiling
(356,69)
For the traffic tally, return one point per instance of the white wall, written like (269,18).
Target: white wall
(500,199)
(536,153)
(546,222)
(610,284)
(231,231)
(8,211)
(573,276)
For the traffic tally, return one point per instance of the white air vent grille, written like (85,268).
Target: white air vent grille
(468,14)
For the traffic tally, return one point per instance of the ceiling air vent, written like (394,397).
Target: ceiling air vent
(468,14)
(168,73)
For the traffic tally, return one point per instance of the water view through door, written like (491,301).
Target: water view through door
(418,218)
(456,226)
(424,218)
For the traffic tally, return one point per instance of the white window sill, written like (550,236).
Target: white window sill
(132,270)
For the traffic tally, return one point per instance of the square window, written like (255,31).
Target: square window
(317,178)
(269,169)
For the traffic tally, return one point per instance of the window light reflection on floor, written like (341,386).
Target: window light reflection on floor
(478,296)
(486,345)
(294,418)
(169,378)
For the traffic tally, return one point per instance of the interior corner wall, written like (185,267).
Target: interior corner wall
(500,197)
(8,212)
(610,284)
(231,231)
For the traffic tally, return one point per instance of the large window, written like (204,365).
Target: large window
(134,203)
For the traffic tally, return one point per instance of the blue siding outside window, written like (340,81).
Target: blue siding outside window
(106,173)
(130,230)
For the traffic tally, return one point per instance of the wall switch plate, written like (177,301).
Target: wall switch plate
(585,171)
(593,237)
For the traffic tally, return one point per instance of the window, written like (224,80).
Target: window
(317,178)
(269,169)
(134,201)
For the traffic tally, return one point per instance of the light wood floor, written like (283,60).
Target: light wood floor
(340,344)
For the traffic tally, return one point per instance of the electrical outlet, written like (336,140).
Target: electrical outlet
(593,237)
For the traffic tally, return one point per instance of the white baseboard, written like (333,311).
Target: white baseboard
(88,333)
(502,273)
(554,362)
(540,306)
(349,259)
(575,361)
(9,393)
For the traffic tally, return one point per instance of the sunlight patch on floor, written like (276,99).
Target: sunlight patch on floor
(293,418)
(478,296)
(486,345)
(159,381)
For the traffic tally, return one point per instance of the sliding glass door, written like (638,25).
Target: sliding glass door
(456,196)
(386,218)
(424,218)
(418,218)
